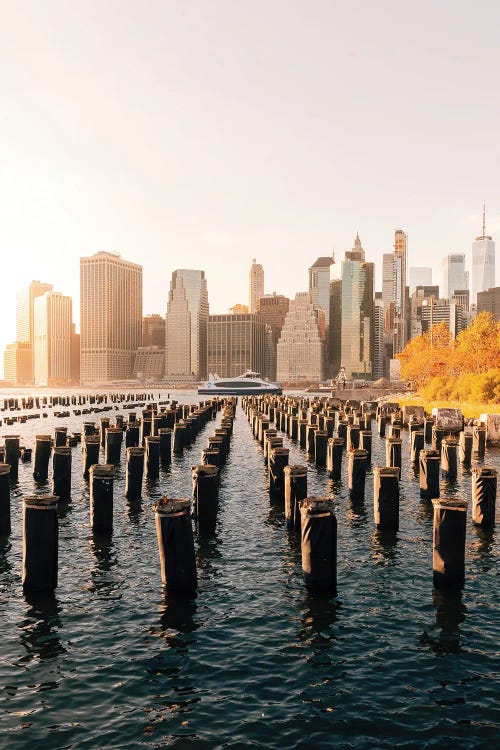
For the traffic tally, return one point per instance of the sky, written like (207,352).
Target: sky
(203,134)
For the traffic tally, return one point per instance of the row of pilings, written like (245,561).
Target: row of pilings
(327,434)
(146,443)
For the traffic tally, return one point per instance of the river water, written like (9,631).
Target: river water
(253,660)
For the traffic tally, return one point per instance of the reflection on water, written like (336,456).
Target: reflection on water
(481,547)
(5,547)
(208,553)
(319,614)
(176,620)
(103,549)
(356,513)
(384,550)
(134,510)
(39,627)
(445,637)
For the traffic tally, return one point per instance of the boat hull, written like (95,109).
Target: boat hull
(228,391)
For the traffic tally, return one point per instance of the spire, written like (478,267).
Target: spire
(484,219)
(357,242)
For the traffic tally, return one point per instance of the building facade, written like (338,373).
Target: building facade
(301,348)
(236,343)
(186,327)
(153,330)
(483,264)
(357,313)
(25,311)
(110,317)
(53,328)
(454,274)
(17,363)
(272,310)
(255,285)
(489,301)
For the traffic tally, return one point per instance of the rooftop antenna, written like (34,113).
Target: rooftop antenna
(484,218)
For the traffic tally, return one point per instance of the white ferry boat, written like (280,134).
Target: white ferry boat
(248,384)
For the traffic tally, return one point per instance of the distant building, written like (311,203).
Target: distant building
(153,330)
(489,301)
(301,348)
(454,274)
(75,356)
(17,364)
(334,348)
(436,311)
(110,317)
(419,276)
(272,310)
(483,264)
(418,296)
(25,318)
(236,343)
(462,297)
(378,338)
(149,363)
(395,290)
(186,327)
(319,284)
(357,313)
(52,339)
(256,285)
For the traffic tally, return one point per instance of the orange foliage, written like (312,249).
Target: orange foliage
(435,355)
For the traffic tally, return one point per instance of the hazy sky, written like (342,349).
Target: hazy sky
(190,134)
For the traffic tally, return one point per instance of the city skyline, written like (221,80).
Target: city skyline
(214,134)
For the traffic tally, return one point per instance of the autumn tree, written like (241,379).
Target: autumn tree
(427,356)
(477,348)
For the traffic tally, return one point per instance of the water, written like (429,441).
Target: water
(252,661)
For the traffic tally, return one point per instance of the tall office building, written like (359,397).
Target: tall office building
(301,348)
(110,317)
(334,348)
(489,301)
(357,313)
(236,343)
(483,263)
(400,291)
(419,276)
(53,328)
(319,284)
(419,294)
(454,274)
(272,310)
(153,330)
(17,364)
(436,311)
(25,319)
(256,285)
(186,327)
(394,291)
(378,337)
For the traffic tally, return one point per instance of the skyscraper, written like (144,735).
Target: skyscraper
(153,330)
(454,274)
(52,338)
(400,293)
(483,263)
(319,284)
(301,348)
(256,285)
(357,313)
(236,343)
(272,310)
(110,317)
(186,327)
(25,319)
